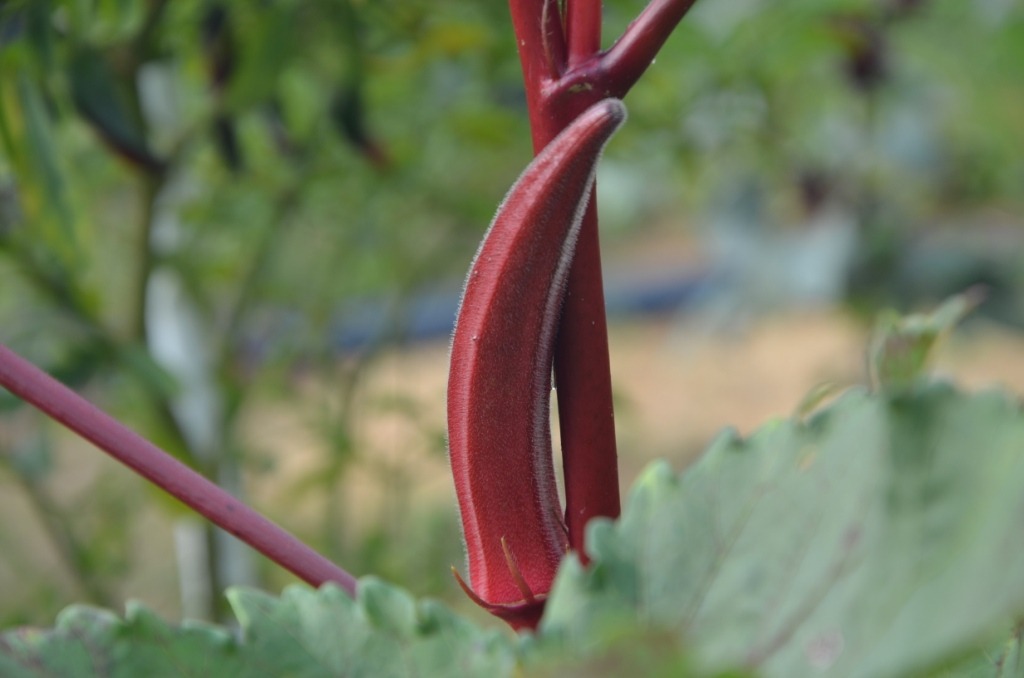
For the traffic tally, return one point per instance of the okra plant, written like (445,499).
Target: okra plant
(877,535)
(513,312)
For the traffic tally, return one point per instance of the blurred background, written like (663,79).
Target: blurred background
(242,226)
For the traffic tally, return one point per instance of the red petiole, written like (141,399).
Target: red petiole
(160,468)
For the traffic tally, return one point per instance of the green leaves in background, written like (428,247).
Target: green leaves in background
(40,156)
(100,97)
(883,537)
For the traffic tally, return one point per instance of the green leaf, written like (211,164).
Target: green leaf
(43,155)
(264,56)
(91,642)
(303,633)
(384,633)
(901,345)
(102,98)
(881,538)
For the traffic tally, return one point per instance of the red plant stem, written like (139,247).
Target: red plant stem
(39,389)
(541,45)
(564,73)
(582,30)
(583,379)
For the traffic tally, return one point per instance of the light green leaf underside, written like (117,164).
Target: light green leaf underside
(883,537)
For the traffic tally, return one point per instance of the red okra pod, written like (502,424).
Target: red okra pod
(500,380)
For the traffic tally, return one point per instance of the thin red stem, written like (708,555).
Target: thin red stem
(58,401)
(582,30)
(616,71)
(584,387)
(540,41)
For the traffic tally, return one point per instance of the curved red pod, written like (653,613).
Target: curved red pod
(500,375)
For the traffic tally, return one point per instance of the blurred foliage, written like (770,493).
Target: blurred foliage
(284,160)
(904,112)
(288,160)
